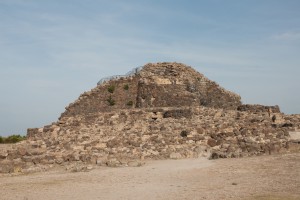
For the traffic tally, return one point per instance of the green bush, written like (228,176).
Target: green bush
(111,88)
(111,101)
(129,103)
(126,87)
(12,139)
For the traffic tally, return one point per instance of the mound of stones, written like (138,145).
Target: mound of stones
(192,120)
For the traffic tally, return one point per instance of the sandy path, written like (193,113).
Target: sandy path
(265,177)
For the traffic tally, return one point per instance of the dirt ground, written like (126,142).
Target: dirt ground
(262,178)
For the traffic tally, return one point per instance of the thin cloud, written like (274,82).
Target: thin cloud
(287,36)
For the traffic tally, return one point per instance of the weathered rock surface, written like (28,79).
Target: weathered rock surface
(175,113)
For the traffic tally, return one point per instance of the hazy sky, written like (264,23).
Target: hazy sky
(52,51)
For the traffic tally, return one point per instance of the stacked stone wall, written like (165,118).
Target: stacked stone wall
(117,138)
(153,95)
(115,94)
(258,108)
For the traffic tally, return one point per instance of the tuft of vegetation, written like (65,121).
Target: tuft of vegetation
(126,87)
(111,101)
(111,88)
(11,139)
(184,134)
(129,103)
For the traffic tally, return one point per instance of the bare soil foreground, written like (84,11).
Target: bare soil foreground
(262,178)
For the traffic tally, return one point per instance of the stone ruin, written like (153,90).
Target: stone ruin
(158,111)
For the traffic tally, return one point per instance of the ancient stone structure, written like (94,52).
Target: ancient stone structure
(154,85)
(161,111)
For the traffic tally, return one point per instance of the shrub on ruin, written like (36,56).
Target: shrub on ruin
(111,101)
(126,87)
(129,103)
(111,89)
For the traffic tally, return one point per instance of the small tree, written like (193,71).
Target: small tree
(14,139)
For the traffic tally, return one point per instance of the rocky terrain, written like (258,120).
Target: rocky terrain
(162,111)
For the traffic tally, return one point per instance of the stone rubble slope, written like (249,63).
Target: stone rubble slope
(116,135)
(127,136)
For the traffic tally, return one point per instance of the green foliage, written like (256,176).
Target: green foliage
(126,87)
(129,103)
(111,101)
(111,88)
(12,139)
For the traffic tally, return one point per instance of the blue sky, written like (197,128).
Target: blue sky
(52,51)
